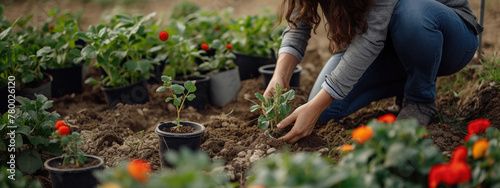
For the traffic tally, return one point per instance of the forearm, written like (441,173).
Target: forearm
(320,102)
(285,66)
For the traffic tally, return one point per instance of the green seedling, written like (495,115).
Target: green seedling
(275,109)
(179,94)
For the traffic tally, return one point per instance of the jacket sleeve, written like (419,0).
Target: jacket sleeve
(361,52)
(295,39)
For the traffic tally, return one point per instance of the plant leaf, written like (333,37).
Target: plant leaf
(177,101)
(260,97)
(190,97)
(29,161)
(177,89)
(161,89)
(190,86)
(255,107)
(168,99)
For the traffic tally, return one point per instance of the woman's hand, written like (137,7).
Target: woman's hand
(305,117)
(282,73)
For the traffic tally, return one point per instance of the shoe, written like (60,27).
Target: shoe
(423,112)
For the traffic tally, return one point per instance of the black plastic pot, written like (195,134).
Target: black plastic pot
(249,65)
(136,93)
(66,80)
(74,178)
(224,87)
(175,141)
(44,89)
(202,87)
(267,72)
(157,71)
(3,99)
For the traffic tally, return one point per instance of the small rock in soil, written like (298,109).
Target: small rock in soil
(233,126)
(455,138)
(242,154)
(140,112)
(171,107)
(258,153)
(225,124)
(254,158)
(224,150)
(124,148)
(271,150)
(324,150)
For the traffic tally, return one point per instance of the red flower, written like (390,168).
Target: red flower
(139,170)
(51,28)
(477,126)
(204,46)
(60,123)
(63,130)
(229,47)
(455,172)
(387,118)
(163,35)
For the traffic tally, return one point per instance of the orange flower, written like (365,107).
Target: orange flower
(346,148)
(387,118)
(139,170)
(63,130)
(362,134)
(479,148)
(204,46)
(425,135)
(60,123)
(163,35)
(229,47)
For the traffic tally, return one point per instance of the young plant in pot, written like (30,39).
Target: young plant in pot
(177,134)
(61,54)
(73,168)
(181,66)
(254,42)
(117,54)
(224,75)
(275,109)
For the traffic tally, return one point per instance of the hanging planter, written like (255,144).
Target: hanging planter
(136,93)
(267,72)
(43,87)
(78,177)
(174,141)
(202,87)
(224,87)
(66,80)
(249,65)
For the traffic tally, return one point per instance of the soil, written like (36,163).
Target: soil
(183,129)
(127,132)
(89,163)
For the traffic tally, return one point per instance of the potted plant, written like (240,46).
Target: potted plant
(254,42)
(73,168)
(177,134)
(267,72)
(275,109)
(61,55)
(31,131)
(117,53)
(181,65)
(224,75)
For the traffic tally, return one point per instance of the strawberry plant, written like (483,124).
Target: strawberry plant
(222,59)
(179,95)
(70,144)
(32,133)
(118,52)
(275,109)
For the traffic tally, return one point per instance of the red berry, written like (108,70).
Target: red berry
(51,28)
(229,47)
(163,35)
(217,28)
(60,123)
(204,46)
(63,130)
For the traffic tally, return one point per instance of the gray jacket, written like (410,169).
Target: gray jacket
(353,64)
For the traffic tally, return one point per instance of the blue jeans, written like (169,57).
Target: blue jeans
(426,39)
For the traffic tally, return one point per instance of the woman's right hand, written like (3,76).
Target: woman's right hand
(282,73)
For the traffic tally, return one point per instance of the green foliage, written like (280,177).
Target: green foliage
(486,169)
(182,55)
(19,182)
(179,94)
(491,69)
(183,9)
(71,147)
(275,109)
(192,169)
(293,170)
(33,131)
(254,35)
(119,50)
(397,155)
(221,61)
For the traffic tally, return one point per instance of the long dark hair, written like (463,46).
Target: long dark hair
(345,18)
